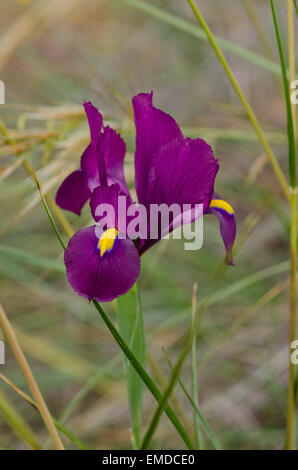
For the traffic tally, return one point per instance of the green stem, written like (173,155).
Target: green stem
(160,398)
(290,441)
(201,418)
(174,377)
(253,118)
(290,438)
(163,402)
(290,124)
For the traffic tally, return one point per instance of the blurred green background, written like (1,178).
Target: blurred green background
(55,54)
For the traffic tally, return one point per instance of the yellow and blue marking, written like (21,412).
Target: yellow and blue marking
(107,240)
(223,205)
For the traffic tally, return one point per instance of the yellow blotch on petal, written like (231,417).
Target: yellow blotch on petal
(107,240)
(220,204)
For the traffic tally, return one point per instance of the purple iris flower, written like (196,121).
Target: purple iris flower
(169,169)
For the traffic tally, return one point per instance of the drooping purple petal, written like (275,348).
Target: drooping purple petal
(227,224)
(154,128)
(99,277)
(73,192)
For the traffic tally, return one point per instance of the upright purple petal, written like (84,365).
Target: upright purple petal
(154,128)
(109,154)
(114,148)
(101,163)
(109,207)
(101,277)
(90,167)
(95,122)
(227,224)
(95,153)
(73,192)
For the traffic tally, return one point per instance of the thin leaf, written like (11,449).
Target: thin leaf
(142,373)
(71,436)
(291,413)
(163,403)
(30,258)
(17,423)
(85,389)
(79,444)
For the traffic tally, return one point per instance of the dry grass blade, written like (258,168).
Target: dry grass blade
(24,366)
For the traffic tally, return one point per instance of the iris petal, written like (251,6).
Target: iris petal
(99,277)
(114,148)
(73,192)
(227,224)
(115,202)
(101,163)
(183,172)
(95,122)
(154,128)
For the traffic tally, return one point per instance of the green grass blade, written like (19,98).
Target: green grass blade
(163,403)
(29,400)
(238,89)
(215,442)
(143,374)
(17,423)
(196,31)
(194,377)
(291,412)
(85,389)
(71,436)
(30,258)
(131,328)
(290,124)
